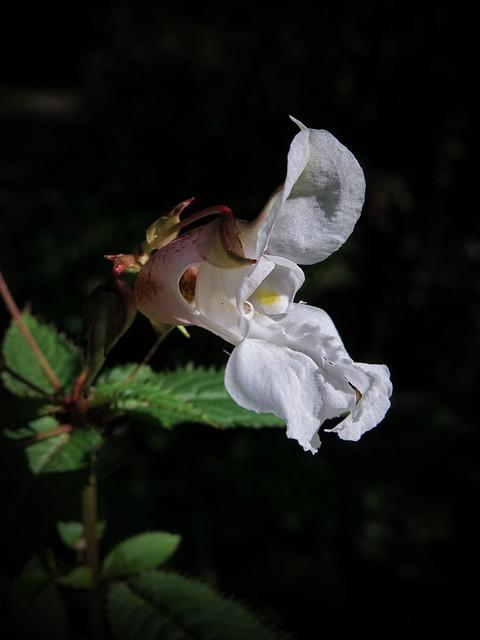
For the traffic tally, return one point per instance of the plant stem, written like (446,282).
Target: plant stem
(32,343)
(160,338)
(43,435)
(92,559)
(90,525)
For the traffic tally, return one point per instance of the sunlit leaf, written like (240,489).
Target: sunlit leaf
(194,395)
(63,356)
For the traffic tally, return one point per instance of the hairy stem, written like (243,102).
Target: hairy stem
(90,526)
(14,311)
(43,435)
(95,596)
(160,338)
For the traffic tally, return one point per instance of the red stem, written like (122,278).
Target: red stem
(32,343)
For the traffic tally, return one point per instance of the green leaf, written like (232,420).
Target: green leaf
(78,578)
(140,553)
(39,480)
(45,619)
(190,395)
(33,578)
(72,533)
(161,605)
(36,607)
(62,355)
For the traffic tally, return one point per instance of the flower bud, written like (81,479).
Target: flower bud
(161,231)
(109,313)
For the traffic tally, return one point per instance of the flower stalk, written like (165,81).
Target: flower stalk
(92,558)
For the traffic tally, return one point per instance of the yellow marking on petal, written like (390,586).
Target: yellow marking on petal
(267,297)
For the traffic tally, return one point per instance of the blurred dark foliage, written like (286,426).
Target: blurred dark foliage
(110,113)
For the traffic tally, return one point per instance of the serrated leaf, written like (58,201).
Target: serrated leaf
(39,480)
(144,373)
(32,579)
(72,533)
(192,395)
(205,388)
(78,578)
(140,553)
(36,607)
(164,605)
(63,356)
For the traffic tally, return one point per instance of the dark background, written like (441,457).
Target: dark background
(112,113)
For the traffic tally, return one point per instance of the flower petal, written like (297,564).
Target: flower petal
(321,200)
(157,292)
(311,332)
(266,378)
(216,299)
(276,292)
(160,296)
(373,382)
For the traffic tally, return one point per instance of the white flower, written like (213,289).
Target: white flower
(239,279)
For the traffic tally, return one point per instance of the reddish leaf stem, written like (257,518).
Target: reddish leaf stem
(43,435)
(32,343)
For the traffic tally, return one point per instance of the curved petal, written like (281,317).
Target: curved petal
(373,382)
(362,390)
(161,296)
(266,378)
(216,300)
(305,328)
(157,291)
(321,200)
(254,235)
(318,337)
(253,279)
(275,293)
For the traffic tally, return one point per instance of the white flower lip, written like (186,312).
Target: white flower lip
(288,357)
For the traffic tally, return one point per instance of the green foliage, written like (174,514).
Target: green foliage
(62,355)
(47,451)
(39,479)
(194,395)
(71,533)
(167,606)
(36,606)
(140,553)
(79,578)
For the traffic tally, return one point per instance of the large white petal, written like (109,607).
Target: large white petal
(311,331)
(266,378)
(317,336)
(321,200)
(304,328)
